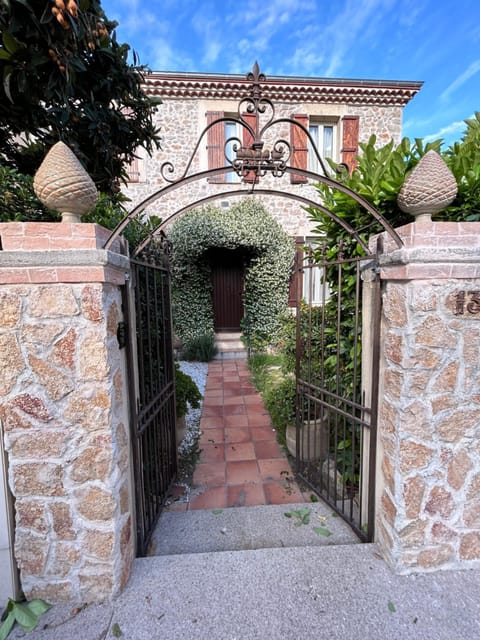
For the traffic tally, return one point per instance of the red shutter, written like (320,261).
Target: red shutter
(215,144)
(248,139)
(298,140)
(350,141)
(296,279)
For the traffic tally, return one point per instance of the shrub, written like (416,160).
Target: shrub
(277,389)
(18,201)
(186,392)
(201,348)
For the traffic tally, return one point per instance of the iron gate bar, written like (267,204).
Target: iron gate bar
(339,416)
(245,192)
(223,170)
(152,411)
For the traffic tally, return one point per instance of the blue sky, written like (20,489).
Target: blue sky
(436,41)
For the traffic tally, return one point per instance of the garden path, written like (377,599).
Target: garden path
(241,464)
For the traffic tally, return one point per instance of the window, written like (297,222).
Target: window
(136,169)
(232,130)
(328,133)
(217,135)
(315,291)
(323,136)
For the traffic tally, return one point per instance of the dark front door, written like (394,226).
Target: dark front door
(227,281)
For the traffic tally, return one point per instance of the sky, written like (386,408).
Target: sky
(434,41)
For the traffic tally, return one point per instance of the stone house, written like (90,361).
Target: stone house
(337,113)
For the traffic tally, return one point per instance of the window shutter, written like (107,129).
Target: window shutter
(247,142)
(298,140)
(215,144)
(133,171)
(296,279)
(350,141)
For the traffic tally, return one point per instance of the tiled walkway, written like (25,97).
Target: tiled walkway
(241,463)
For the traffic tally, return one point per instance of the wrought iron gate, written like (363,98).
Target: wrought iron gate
(337,383)
(152,388)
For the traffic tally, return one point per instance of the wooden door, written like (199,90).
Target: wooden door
(227,281)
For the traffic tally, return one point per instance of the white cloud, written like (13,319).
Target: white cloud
(448,132)
(360,20)
(460,80)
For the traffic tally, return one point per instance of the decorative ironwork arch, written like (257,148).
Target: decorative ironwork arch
(253,160)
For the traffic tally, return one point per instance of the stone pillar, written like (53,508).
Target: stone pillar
(428,516)
(64,410)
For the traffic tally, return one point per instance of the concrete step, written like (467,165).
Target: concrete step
(229,345)
(313,593)
(246,528)
(228,335)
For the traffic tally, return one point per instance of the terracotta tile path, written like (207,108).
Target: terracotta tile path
(241,463)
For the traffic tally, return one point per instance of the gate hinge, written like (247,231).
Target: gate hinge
(122,333)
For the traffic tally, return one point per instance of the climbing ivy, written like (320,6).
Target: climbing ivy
(246,225)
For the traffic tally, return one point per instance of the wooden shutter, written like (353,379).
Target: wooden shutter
(133,171)
(247,142)
(350,141)
(298,140)
(215,144)
(296,279)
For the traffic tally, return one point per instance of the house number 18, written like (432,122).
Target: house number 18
(467,302)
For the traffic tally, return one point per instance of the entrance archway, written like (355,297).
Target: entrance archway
(347,413)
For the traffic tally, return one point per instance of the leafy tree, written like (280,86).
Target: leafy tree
(65,77)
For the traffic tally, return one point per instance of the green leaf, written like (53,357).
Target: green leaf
(322,531)
(7,625)
(9,42)
(25,618)
(391,607)
(4,55)
(287,514)
(116,631)
(217,512)
(38,607)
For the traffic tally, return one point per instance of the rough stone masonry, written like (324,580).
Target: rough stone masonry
(63,410)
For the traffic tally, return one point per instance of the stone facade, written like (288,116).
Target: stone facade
(429,414)
(63,410)
(181,117)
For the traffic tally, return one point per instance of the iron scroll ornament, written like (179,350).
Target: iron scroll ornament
(255,157)
(251,162)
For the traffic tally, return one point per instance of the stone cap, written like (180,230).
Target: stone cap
(44,252)
(431,250)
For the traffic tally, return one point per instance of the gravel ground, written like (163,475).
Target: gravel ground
(188,450)
(198,372)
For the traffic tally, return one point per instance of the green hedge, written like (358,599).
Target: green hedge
(246,225)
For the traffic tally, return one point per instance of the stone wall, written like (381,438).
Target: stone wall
(429,414)
(63,409)
(182,120)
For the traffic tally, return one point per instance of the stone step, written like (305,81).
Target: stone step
(229,345)
(228,335)
(247,528)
